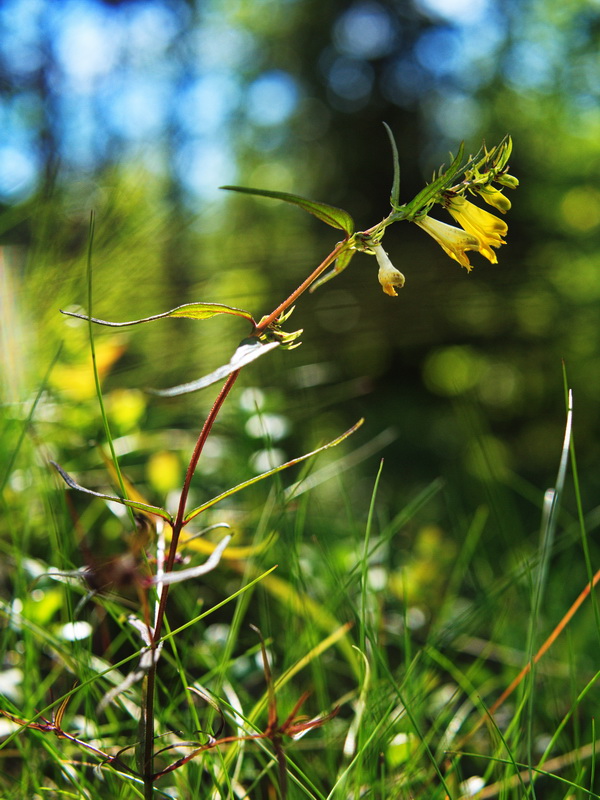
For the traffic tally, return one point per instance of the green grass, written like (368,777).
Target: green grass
(436,631)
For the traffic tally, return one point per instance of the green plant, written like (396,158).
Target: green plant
(150,566)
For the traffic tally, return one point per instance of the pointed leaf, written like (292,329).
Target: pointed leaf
(194,513)
(159,512)
(336,217)
(394,199)
(248,351)
(428,194)
(340,265)
(188,310)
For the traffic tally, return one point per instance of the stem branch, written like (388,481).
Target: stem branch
(147,743)
(149,688)
(266,321)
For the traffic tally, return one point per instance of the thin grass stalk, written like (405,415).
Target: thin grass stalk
(96,374)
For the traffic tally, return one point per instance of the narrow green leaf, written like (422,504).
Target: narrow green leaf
(248,351)
(427,195)
(395,196)
(340,265)
(188,310)
(336,217)
(194,513)
(135,504)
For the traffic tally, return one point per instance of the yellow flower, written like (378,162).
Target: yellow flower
(494,197)
(485,227)
(388,276)
(508,180)
(453,240)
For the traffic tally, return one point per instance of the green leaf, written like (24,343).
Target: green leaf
(135,504)
(340,265)
(427,195)
(194,513)
(336,217)
(189,310)
(248,351)
(394,199)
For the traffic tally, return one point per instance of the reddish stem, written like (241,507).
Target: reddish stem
(266,321)
(148,743)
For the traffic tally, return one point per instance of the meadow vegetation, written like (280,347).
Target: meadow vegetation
(199,601)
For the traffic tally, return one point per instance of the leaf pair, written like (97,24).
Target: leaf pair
(161,512)
(248,351)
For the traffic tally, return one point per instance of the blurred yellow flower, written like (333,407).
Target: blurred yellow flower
(485,227)
(388,276)
(454,241)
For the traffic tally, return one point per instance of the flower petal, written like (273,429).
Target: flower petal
(388,275)
(494,197)
(454,241)
(487,229)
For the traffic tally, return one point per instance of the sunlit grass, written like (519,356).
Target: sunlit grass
(413,680)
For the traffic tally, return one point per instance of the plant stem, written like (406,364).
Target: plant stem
(266,321)
(147,742)
(149,687)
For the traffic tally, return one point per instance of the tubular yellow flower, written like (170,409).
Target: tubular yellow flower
(487,229)
(388,276)
(494,197)
(508,180)
(454,241)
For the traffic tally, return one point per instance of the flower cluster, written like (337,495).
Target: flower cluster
(484,175)
(479,229)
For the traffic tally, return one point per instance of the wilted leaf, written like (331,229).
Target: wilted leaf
(177,576)
(188,310)
(336,217)
(248,351)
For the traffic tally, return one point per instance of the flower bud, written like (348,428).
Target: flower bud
(494,197)
(389,277)
(508,180)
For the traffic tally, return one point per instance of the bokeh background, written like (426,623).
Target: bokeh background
(139,111)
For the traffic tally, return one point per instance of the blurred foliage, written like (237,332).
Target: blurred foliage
(177,98)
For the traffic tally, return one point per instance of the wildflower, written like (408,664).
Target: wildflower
(485,227)
(494,197)
(388,276)
(508,180)
(454,241)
